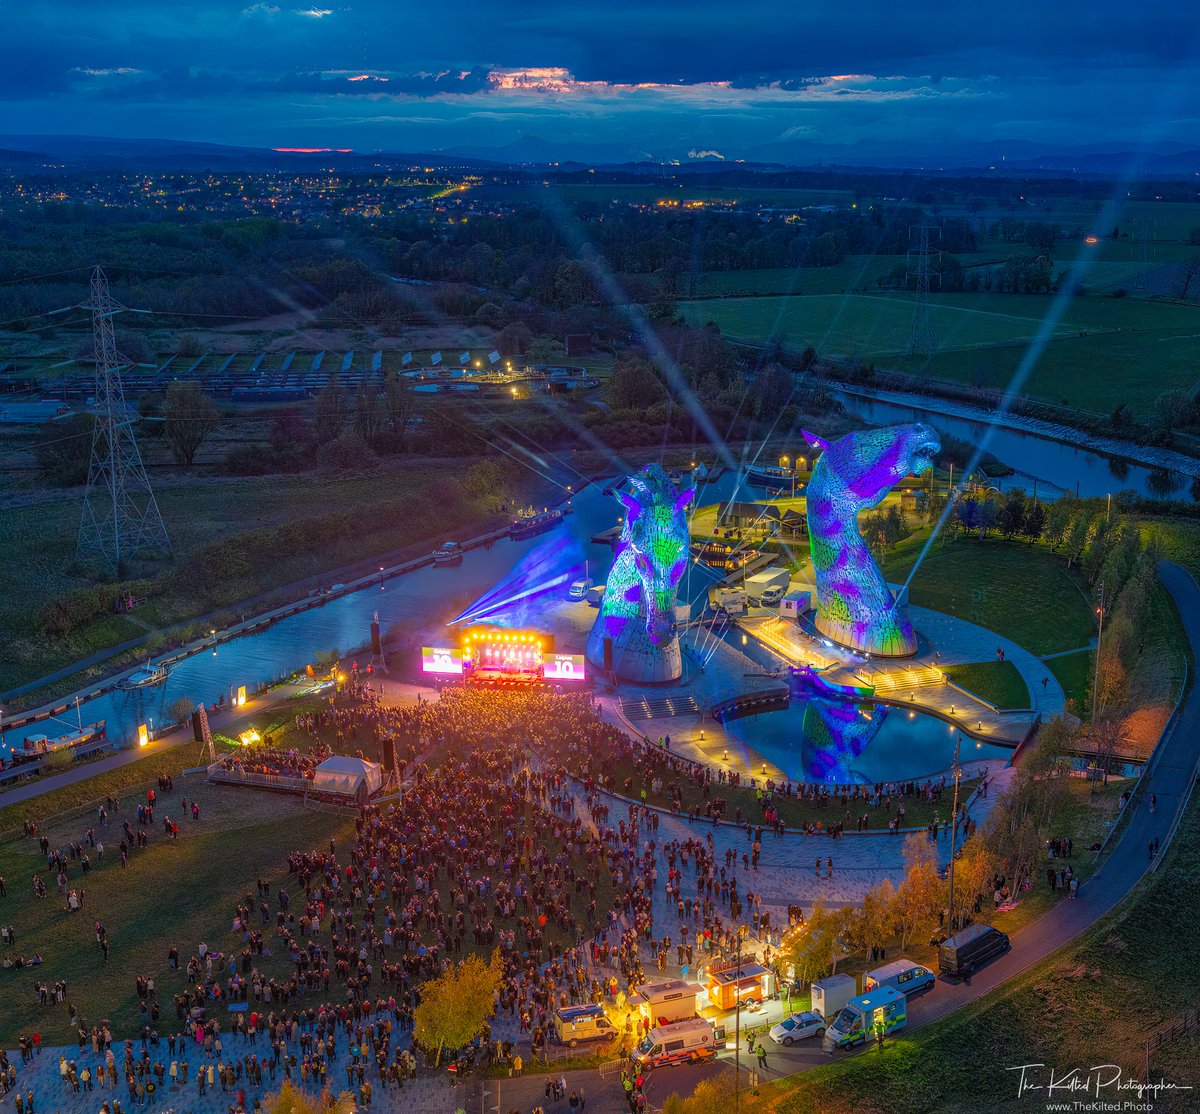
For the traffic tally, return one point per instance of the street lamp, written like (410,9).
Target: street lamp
(737,1023)
(954,833)
(1099,639)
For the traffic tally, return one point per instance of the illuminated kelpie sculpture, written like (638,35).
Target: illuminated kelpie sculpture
(638,609)
(854,604)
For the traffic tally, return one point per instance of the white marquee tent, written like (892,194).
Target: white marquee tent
(349,777)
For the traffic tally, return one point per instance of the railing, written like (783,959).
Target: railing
(1169,1033)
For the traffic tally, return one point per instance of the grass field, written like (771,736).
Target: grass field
(1093,1002)
(998,682)
(37,543)
(1021,591)
(1074,673)
(861,326)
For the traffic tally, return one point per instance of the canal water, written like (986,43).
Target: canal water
(1056,465)
(437,595)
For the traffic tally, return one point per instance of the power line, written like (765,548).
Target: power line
(920,335)
(120,514)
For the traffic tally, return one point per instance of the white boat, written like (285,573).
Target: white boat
(148,677)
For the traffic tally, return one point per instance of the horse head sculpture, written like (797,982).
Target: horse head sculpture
(638,609)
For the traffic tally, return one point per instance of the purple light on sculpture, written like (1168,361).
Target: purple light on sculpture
(855,607)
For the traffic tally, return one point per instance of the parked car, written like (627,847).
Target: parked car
(905,975)
(797,1027)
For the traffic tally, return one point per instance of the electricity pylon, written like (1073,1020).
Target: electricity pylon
(920,336)
(120,514)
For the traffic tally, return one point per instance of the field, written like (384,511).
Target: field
(1094,1002)
(997,682)
(636,194)
(37,543)
(1022,591)
(861,326)
(177,892)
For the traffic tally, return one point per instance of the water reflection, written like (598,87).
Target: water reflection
(840,742)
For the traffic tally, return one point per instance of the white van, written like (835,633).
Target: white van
(906,976)
(678,1043)
(579,588)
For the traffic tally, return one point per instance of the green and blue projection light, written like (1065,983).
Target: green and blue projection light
(637,615)
(855,607)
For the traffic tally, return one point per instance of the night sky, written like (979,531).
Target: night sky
(747,79)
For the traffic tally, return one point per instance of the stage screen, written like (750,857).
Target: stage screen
(441,660)
(563,667)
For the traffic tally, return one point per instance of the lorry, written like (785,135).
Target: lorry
(732,601)
(879,1013)
(595,595)
(770,583)
(574,1024)
(677,1043)
(830,994)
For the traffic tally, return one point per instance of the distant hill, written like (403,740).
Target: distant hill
(1016,156)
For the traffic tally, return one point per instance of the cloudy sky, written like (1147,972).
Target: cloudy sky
(744,79)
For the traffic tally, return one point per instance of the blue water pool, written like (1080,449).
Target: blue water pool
(816,739)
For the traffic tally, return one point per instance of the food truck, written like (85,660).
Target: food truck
(573,1024)
(661,1001)
(731,982)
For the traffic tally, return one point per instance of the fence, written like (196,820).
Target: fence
(1169,1033)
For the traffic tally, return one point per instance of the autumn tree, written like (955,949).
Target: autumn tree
(919,896)
(714,1095)
(289,1099)
(455,1006)
(189,416)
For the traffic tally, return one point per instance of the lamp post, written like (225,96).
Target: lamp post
(954,832)
(1099,639)
(737,1024)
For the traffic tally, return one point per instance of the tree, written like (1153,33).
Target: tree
(399,406)
(874,922)
(1035,521)
(62,458)
(546,350)
(329,411)
(368,415)
(1171,410)
(289,1099)
(919,896)
(634,384)
(189,416)
(710,1096)
(455,1006)
(487,480)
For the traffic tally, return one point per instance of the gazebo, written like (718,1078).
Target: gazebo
(343,776)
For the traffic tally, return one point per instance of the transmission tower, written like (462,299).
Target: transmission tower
(920,336)
(120,515)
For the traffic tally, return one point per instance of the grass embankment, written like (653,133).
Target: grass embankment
(233,540)
(794,813)
(1023,591)
(136,775)
(998,682)
(1093,1002)
(177,892)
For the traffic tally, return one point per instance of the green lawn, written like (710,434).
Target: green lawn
(1018,590)
(1091,1003)
(794,813)
(862,326)
(1074,672)
(174,892)
(998,682)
